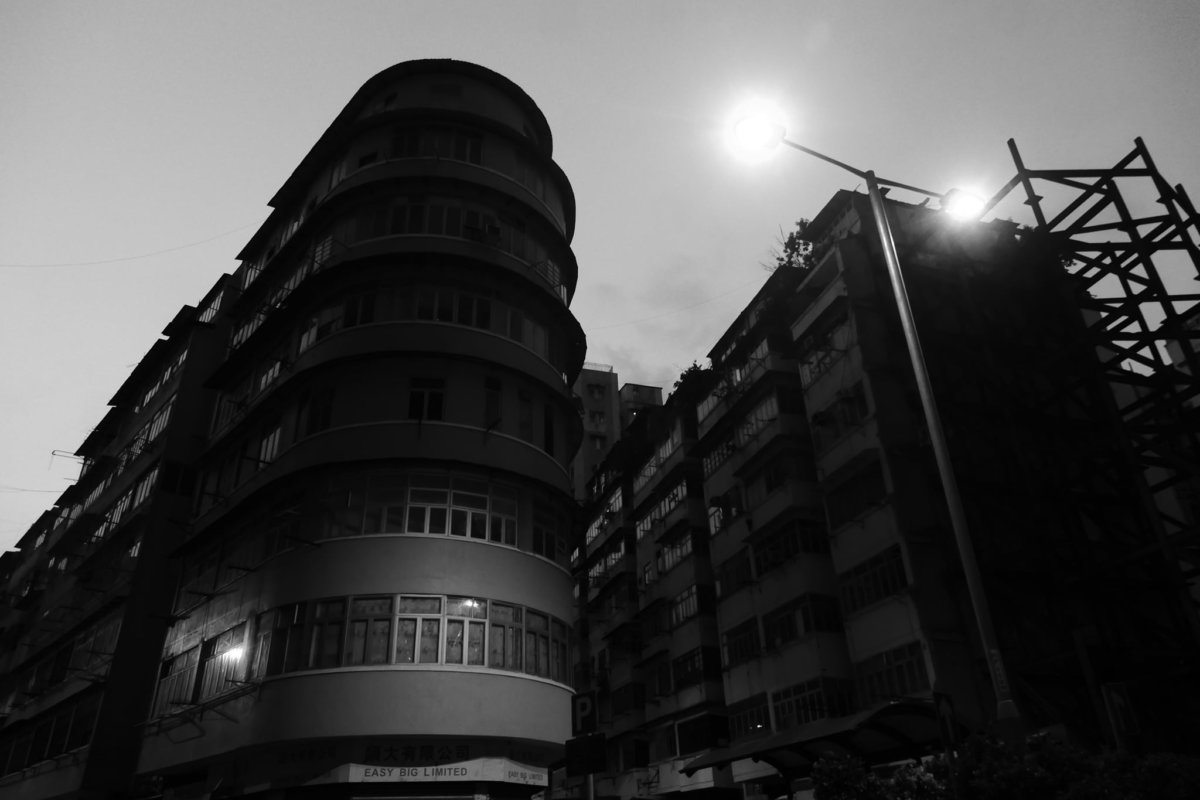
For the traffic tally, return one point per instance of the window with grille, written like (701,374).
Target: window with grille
(222,662)
(878,577)
(812,700)
(741,643)
(750,717)
(734,573)
(369,632)
(894,673)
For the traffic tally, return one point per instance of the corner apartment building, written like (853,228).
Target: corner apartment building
(88,593)
(375,585)
(842,618)
(372,542)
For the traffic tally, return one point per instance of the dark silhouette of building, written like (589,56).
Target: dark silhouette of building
(769,574)
(88,594)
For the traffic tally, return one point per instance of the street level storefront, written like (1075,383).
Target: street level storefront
(366,768)
(906,728)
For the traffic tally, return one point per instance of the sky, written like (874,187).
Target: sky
(140,142)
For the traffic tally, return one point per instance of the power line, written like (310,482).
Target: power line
(131,258)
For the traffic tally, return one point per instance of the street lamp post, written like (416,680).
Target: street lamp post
(1007,714)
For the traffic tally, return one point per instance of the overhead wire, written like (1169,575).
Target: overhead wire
(130,258)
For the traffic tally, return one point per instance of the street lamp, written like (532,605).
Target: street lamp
(760,133)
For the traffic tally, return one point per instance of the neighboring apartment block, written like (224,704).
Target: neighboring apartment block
(605,411)
(782,519)
(88,593)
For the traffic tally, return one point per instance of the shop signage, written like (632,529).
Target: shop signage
(501,770)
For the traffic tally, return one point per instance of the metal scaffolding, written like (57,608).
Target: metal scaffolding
(1127,239)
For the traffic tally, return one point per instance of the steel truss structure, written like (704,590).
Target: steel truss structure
(1140,321)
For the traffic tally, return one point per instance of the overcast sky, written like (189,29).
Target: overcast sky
(140,142)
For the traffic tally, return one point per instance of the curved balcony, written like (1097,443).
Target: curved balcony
(418,564)
(431,168)
(425,441)
(363,703)
(430,337)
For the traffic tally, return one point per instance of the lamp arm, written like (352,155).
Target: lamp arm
(858,172)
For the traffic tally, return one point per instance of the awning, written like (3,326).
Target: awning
(895,730)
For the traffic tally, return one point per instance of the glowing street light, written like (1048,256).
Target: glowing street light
(759,131)
(963,205)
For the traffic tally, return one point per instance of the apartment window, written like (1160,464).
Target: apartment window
(805,615)
(369,634)
(435,304)
(662,743)
(699,733)
(878,577)
(675,552)
(358,310)
(685,606)
(860,492)
(465,629)
(425,398)
(545,530)
(325,634)
(505,636)
(627,698)
(772,478)
(475,311)
(840,417)
(144,487)
(781,546)
(750,717)
(268,448)
(759,417)
(427,629)
(319,326)
(383,506)
(268,375)
(689,669)
(537,643)
(418,630)
(721,451)
(221,662)
(159,423)
(525,416)
(491,404)
(644,525)
(893,673)
(812,700)
(548,428)
(734,573)
(428,498)
(177,681)
(314,412)
(504,518)
(469,509)
(741,643)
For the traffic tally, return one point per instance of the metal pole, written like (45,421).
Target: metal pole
(1006,708)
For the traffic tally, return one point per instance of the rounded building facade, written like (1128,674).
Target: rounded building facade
(376,589)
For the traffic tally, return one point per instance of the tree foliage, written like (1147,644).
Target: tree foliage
(792,249)
(1043,768)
